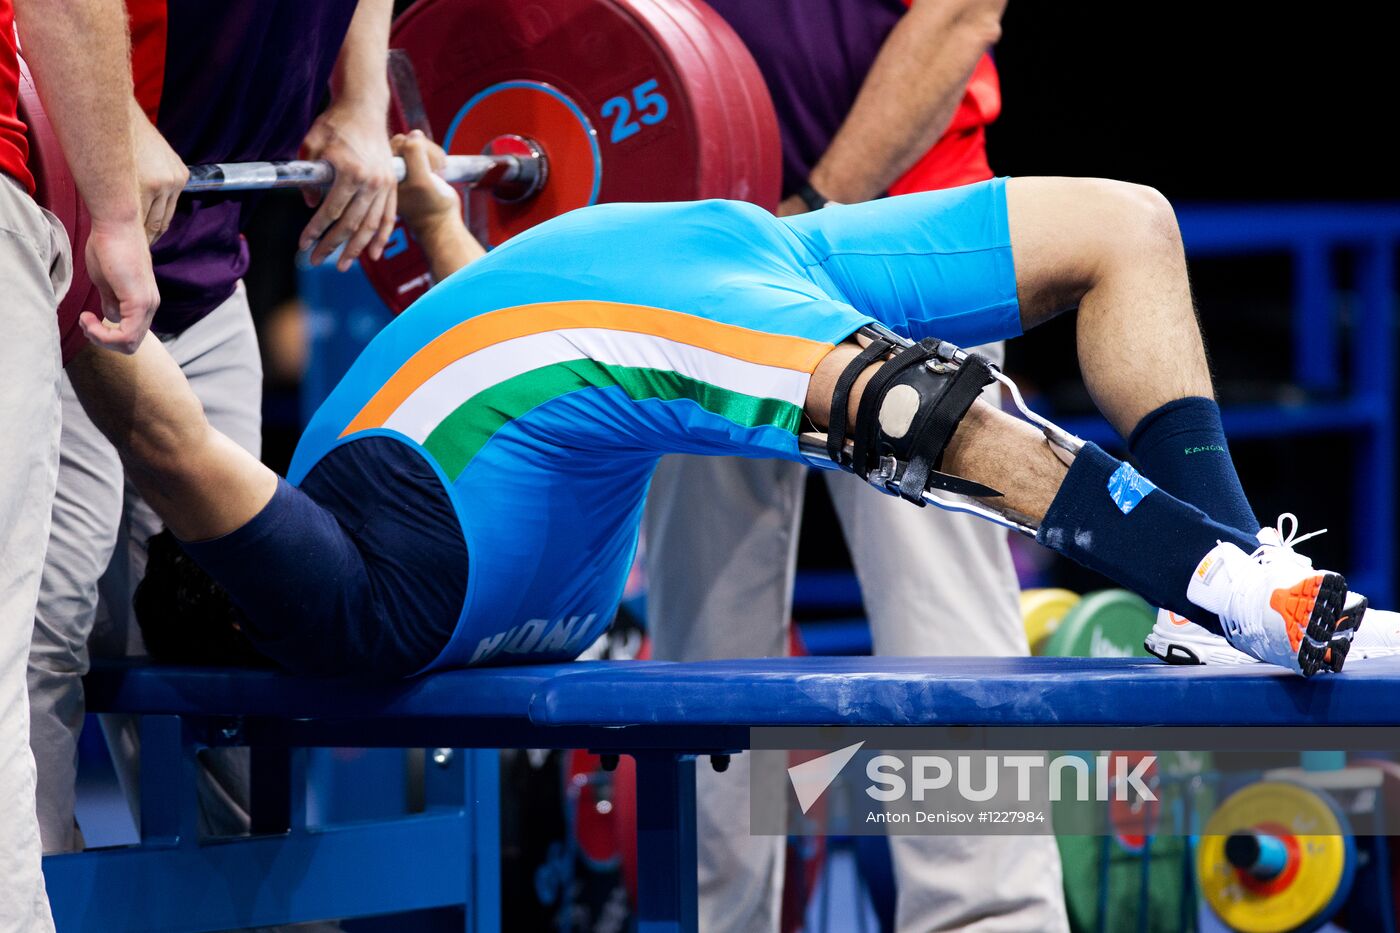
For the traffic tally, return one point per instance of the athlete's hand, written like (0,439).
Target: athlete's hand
(161,176)
(426,201)
(359,209)
(119,264)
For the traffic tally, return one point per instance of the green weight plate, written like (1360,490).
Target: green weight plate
(1105,624)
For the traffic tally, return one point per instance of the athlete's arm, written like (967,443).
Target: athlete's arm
(431,208)
(908,98)
(78,53)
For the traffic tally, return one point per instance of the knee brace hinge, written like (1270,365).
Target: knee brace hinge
(906,417)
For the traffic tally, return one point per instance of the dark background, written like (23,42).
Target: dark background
(1222,101)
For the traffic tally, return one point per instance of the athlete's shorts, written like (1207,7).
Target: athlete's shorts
(362,570)
(529,397)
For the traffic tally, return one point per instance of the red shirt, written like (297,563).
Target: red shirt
(960,155)
(14,147)
(815,56)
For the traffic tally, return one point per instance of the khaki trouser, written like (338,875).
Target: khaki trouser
(97,555)
(35,267)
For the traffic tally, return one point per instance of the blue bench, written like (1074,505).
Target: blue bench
(664,714)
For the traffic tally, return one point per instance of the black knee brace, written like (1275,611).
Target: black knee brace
(907,415)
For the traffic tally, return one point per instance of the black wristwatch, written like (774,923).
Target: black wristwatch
(813,198)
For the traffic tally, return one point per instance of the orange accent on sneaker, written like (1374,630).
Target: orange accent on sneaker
(1295,605)
(1176,619)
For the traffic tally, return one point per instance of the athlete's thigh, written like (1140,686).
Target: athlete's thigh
(1065,232)
(933,264)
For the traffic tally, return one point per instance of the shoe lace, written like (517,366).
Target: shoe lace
(1283,548)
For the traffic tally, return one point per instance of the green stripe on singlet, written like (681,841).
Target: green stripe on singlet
(458,438)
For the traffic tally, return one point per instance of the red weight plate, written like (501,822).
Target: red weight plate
(630,100)
(538,112)
(57,191)
(594,816)
(738,126)
(1133,820)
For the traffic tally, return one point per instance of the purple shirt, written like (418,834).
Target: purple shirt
(814,55)
(238,80)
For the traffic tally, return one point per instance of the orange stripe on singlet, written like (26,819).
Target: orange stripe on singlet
(761,347)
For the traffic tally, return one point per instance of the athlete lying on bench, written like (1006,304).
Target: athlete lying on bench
(471,491)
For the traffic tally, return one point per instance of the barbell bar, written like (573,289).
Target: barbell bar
(512,177)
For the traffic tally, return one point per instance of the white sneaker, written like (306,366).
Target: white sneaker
(1380,638)
(1177,640)
(1276,607)
(1276,545)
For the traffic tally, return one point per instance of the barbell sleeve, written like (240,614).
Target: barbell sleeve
(472,170)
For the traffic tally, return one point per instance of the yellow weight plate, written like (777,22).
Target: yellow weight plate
(1321,865)
(1041,612)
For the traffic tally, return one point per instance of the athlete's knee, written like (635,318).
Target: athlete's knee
(1072,235)
(1136,222)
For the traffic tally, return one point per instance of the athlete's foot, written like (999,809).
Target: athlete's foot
(1380,638)
(1277,608)
(1177,640)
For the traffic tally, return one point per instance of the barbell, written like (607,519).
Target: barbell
(547,108)
(511,177)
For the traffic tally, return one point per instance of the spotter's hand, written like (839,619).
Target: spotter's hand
(119,264)
(359,209)
(161,175)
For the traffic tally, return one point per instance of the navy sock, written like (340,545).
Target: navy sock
(1109,518)
(1181,447)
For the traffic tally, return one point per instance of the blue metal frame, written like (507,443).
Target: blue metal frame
(173,880)
(665,715)
(666,879)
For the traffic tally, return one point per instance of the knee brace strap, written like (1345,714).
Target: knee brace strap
(906,417)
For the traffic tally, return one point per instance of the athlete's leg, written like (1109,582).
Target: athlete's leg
(1098,511)
(987,261)
(1112,250)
